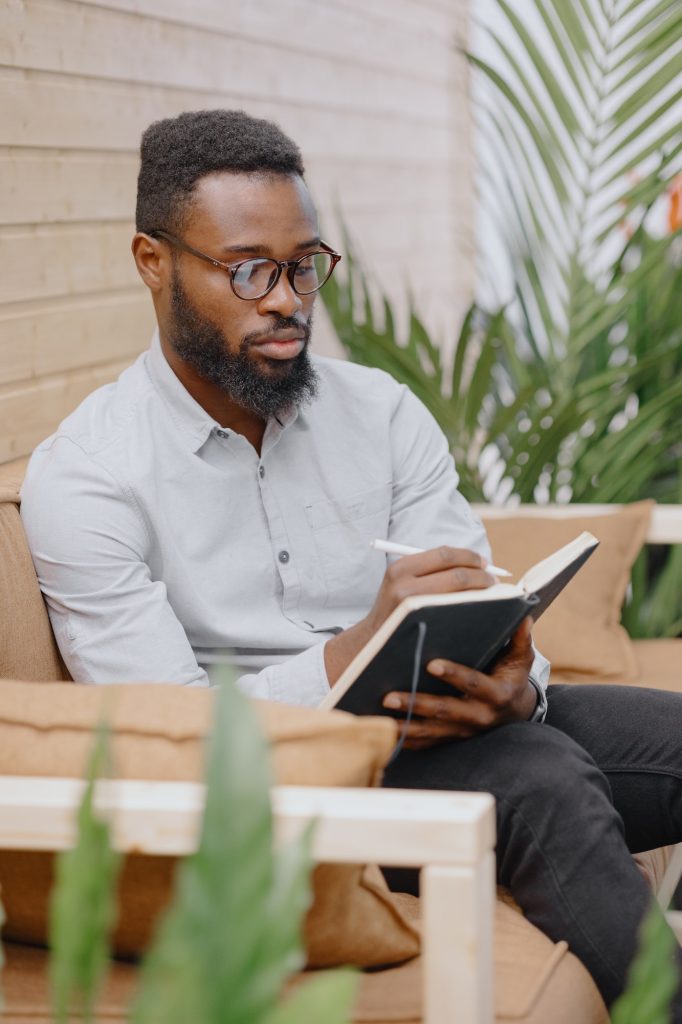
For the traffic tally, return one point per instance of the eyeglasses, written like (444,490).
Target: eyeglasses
(254,278)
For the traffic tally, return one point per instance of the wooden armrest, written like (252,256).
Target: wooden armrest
(449,835)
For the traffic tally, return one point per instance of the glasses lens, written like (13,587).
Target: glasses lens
(311,272)
(253,278)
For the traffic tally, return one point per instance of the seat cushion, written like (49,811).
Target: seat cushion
(536,981)
(158,732)
(581,633)
(27,995)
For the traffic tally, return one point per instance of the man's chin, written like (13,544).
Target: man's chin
(280,365)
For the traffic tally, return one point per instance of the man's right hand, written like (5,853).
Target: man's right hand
(441,570)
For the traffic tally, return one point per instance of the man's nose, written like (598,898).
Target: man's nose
(282,299)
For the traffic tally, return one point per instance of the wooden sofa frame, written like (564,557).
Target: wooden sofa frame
(450,836)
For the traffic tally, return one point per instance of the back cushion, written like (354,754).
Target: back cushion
(581,633)
(27,646)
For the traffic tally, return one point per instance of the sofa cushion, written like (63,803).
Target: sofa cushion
(26,991)
(158,732)
(581,633)
(536,981)
(660,663)
(27,646)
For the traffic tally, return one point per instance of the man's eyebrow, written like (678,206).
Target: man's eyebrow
(263,250)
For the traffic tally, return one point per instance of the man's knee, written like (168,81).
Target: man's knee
(539,766)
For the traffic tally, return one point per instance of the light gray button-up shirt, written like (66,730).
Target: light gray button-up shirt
(164,544)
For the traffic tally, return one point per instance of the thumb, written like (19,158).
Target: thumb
(522,639)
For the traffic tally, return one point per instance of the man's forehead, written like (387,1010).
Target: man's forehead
(238,210)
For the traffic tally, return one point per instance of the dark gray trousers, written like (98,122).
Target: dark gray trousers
(576,796)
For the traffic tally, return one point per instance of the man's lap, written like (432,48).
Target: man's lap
(629,735)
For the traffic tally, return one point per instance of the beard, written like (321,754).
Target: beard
(266,392)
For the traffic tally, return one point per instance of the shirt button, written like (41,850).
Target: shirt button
(261,471)
(283,556)
(222,433)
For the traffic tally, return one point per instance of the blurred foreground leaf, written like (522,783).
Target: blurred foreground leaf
(653,976)
(83,905)
(325,999)
(233,933)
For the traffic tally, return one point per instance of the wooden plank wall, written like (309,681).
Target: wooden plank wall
(373,91)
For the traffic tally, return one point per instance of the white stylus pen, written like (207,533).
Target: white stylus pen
(404,549)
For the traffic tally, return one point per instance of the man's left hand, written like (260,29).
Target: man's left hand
(486,701)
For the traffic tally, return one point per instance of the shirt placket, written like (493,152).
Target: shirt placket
(283,556)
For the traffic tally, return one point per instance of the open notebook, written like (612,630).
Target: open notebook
(470,627)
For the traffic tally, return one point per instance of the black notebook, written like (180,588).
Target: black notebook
(470,627)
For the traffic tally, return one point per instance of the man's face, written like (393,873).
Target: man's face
(254,351)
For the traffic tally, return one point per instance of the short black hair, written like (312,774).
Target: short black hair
(176,152)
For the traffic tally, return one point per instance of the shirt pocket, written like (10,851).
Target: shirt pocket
(342,529)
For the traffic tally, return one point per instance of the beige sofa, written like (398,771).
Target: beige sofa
(534,979)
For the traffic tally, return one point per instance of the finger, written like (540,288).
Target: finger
(493,691)
(522,639)
(467,680)
(439,709)
(447,581)
(426,733)
(520,649)
(438,559)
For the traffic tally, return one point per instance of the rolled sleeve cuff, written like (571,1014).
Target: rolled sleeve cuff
(300,680)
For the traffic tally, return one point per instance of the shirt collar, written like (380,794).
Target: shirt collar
(192,419)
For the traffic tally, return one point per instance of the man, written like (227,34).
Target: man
(221,496)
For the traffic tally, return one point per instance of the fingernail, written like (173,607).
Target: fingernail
(391,700)
(436,668)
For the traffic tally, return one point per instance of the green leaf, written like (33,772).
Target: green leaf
(653,976)
(623,141)
(544,150)
(325,999)
(560,105)
(233,932)
(568,59)
(645,50)
(83,905)
(654,84)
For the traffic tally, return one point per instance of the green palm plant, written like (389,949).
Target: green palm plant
(572,388)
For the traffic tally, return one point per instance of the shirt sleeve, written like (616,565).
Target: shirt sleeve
(111,620)
(276,682)
(427,508)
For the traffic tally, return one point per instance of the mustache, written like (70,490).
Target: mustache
(280,323)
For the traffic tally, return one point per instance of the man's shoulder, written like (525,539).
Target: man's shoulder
(94,440)
(342,375)
(106,415)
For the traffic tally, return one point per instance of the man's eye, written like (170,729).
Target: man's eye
(306,268)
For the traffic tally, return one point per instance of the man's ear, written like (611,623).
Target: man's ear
(151,260)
